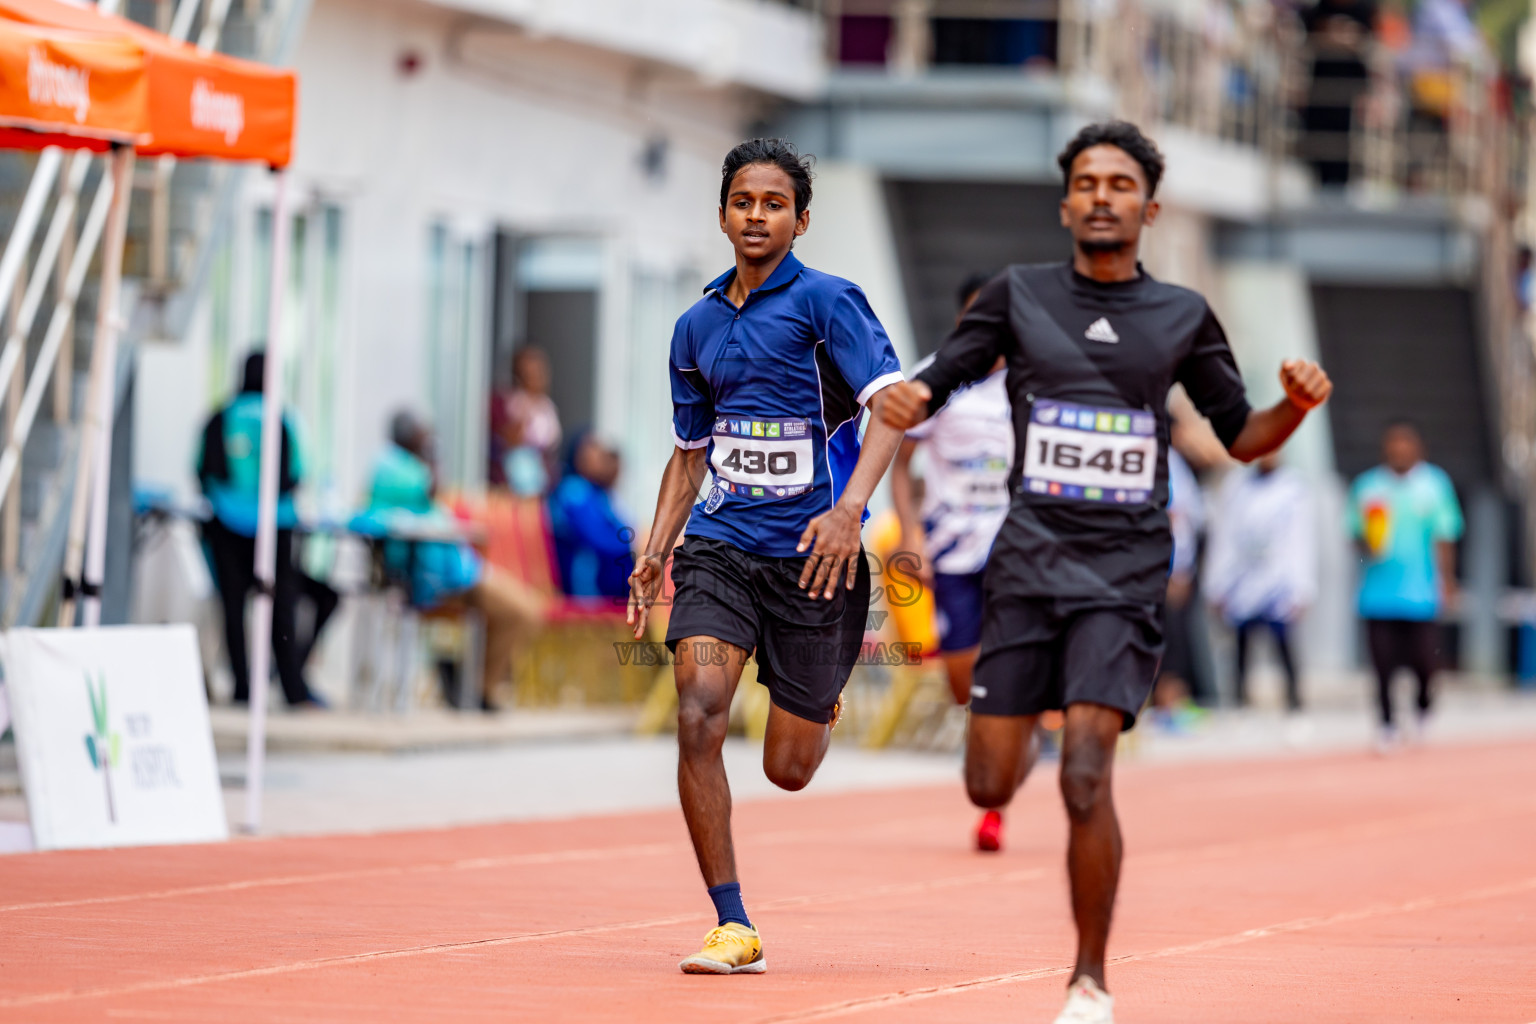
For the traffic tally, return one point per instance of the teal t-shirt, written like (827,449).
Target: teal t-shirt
(235,500)
(402,485)
(1401,519)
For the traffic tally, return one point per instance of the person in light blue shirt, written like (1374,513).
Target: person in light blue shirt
(1406,520)
(229,472)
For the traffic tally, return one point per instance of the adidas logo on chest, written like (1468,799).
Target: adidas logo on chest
(1100,330)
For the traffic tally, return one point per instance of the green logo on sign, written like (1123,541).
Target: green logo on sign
(104,745)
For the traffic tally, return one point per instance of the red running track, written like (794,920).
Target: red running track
(1342,889)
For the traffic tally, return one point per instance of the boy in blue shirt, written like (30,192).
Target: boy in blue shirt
(771,372)
(1406,520)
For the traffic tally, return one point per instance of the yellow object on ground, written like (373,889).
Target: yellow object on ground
(729,949)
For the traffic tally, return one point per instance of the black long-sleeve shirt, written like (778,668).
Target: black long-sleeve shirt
(1105,353)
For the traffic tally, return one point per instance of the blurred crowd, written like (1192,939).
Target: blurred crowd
(1245,546)
(420,542)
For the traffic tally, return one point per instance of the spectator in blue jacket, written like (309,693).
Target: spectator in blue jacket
(592,537)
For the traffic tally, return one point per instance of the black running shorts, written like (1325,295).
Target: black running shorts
(1041,654)
(805,649)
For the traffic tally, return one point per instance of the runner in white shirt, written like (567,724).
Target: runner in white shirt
(1261,572)
(968,449)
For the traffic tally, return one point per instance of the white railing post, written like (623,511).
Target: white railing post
(48,354)
(266,528)
(96,445)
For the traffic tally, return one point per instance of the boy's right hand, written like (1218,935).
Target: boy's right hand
(644,587)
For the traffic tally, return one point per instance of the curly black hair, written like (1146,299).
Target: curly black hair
(777,153)
(1122,135)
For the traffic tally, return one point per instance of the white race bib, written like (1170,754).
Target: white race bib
(1091,454)
(763,459)
(982,483)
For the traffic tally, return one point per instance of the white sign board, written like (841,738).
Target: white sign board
(112,736)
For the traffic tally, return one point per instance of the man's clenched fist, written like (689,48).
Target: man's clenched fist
(905,405)
(1305,383)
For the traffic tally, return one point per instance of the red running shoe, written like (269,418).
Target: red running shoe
(989,834)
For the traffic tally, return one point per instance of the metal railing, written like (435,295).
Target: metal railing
(66,255)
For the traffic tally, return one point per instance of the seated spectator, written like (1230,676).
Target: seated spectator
(441,572)
(591,538)
(525,427)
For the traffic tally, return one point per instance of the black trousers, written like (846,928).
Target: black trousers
(234,570)
(1401,643)
(1282,633)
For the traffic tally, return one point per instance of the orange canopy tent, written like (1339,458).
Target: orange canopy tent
(81,90)
(181,101)
(72,77)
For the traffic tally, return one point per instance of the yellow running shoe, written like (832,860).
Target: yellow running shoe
(837,712)
(730,949)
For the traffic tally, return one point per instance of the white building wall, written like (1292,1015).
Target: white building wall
(494,128)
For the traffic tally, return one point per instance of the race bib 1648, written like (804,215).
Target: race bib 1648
(763,459)
(1091,454)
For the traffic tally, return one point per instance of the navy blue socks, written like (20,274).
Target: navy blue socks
(728,904)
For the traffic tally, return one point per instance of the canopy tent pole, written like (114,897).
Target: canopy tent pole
(96,443)
(266,520)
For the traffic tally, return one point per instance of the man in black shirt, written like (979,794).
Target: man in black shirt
(1080,566)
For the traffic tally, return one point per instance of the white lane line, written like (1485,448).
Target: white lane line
(575,856)
(840,896)
(1180,855)
(867,1003)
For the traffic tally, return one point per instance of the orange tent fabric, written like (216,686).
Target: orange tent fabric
(198,104)
(71,89)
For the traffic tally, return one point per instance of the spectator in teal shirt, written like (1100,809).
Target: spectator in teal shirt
(1406,520)
(229,472)
(401,503)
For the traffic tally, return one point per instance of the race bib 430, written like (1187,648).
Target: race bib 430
(765,459)
(1091,454)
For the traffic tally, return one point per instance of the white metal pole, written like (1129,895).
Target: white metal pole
(20,243)
(107,323)
(63,319)
(266,520)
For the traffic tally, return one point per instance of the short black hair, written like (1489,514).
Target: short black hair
(253,377)
(775,152)
(1124,136)
(972,284)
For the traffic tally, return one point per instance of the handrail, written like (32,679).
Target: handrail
(42,369)
(27,219)
(15,345)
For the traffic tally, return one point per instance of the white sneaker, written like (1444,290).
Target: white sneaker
(1417,733)
(1387,740)
(1087,1004)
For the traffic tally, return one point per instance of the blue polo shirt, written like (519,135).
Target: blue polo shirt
(775,390)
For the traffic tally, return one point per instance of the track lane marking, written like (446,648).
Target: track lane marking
(852,1006)
(299,966)
(1302,839)
(578,855)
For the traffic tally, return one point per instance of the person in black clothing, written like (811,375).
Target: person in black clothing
(1080,566)
(1338,34)
(228,470)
